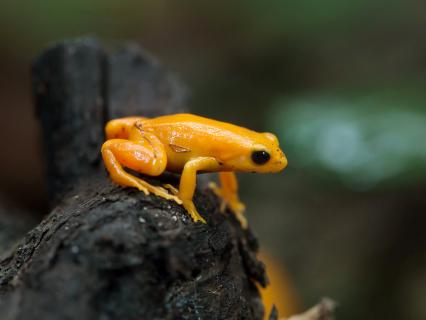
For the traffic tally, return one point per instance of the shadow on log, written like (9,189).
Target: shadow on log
(106,252)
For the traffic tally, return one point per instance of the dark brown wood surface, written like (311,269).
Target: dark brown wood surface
(106,252)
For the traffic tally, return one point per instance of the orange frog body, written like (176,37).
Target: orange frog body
(188,144)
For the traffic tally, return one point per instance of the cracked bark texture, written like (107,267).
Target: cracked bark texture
(106,252)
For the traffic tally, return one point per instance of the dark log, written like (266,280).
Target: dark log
(139,82)
(14,223)
(107,252)
(69,96)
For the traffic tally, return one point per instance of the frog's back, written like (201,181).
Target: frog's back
(199,124)
(187,136)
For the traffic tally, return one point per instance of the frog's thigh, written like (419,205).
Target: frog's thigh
(229,194)
(112,163)
(188,182)
(120,128)
(139,157)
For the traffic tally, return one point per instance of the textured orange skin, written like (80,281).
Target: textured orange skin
(187,144)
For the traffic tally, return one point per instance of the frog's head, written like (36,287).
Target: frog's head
(261,155)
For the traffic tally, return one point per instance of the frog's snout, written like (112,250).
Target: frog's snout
(281,163)
(284,162)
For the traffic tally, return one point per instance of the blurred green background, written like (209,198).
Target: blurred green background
(342,83)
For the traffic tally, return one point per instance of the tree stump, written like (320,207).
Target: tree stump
(107,252)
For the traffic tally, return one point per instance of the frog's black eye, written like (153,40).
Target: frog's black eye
(260,157)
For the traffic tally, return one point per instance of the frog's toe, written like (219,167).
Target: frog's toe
(192,211)
(140,187)
(158,191)
(174,198)
(144,190)
(198,218)
(171,188)
(242,219)
(238,209)
(161,192)
(223,206)
(218,192)
(213,186)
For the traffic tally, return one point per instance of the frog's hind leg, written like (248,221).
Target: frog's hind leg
(140,156)
(121,128)
(228,191)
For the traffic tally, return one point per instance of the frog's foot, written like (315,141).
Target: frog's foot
(239,214)
(218,192)
(147,188)
(172,189)
(192,211)
(187,204)
(236,206)
(134,182)
(159,191)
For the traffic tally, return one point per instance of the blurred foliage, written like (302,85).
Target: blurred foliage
(362,139)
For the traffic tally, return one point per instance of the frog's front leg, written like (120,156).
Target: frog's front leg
(145,155)
(188,183)
(229,194)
